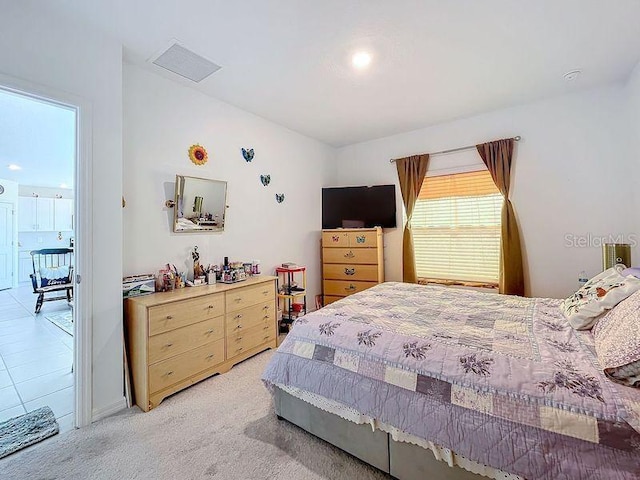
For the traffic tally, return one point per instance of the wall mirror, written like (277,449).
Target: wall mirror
(200,205)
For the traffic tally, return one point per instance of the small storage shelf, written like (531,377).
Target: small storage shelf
(292,295)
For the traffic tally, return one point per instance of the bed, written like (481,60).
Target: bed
(498,385)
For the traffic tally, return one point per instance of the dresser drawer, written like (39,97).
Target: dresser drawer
(335,271)
(362,239)
(175,369)
(168,344)
(350,255)
(248,296)
(335,239)
(342,288)
(178,314)
(251,316)
(240,342)
(329,299)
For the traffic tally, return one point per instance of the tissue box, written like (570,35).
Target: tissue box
(137,285)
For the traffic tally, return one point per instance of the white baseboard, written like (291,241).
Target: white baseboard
(108,410)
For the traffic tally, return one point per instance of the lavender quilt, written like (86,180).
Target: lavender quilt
(502,380)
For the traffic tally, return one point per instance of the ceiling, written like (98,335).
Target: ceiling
(433,61)
(38,137)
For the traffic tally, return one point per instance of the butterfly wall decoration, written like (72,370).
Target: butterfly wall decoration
(279,197)
(265,179)
(248,154)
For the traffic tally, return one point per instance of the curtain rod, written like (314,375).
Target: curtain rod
(459,149)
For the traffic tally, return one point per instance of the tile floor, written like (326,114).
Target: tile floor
(35,358)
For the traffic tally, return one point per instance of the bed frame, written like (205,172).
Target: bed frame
(403,461)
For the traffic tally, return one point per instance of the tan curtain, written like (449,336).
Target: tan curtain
(498,156)
(411,173)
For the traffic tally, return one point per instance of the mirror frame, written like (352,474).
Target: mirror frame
(179,182)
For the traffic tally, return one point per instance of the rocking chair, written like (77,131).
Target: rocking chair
(52,272)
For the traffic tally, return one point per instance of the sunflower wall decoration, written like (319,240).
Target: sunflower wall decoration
(198,154)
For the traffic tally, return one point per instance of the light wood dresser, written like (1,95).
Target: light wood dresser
(352,261)
(178,338)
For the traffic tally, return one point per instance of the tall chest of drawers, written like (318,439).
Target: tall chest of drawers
(352,261)
(178,338)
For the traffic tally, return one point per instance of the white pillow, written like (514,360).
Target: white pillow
(601,293)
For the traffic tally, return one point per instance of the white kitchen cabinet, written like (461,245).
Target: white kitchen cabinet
(63,214)
(35,214)
(27,214)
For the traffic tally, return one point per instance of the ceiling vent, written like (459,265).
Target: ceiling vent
(185,63)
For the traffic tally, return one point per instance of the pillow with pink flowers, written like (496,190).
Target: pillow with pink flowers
(617,341)
(601,293)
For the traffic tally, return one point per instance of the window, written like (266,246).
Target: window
(456,228)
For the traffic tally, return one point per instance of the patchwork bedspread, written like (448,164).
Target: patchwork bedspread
(502,380)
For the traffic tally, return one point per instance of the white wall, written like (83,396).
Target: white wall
(633,99)
(570,178)
(161,120)
(39,48)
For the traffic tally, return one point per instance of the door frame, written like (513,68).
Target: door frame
(83,234)
(14,247)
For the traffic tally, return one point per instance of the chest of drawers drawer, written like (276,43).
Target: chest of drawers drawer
(251,316)
(350,255)
(334,271)
(180,340)
(248,296)
(241,341)
(164,318)
(344,288)
(175,369)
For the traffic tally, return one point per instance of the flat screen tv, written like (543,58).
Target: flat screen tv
(359,207)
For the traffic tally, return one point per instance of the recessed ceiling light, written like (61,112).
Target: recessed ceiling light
(361,60)
(572,75)
(13,166)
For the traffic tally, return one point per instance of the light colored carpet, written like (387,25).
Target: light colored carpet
(20,432)
(223,428)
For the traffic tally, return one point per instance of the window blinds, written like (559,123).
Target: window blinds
(456,228)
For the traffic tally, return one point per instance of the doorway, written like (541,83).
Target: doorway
(38,318)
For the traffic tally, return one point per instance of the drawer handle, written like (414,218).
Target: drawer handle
(209,332)
(238,299)
(169,373)
(240,349)
(267,337)
(360,238)
(169,345)
(238,327)
(265,292)
(211,306)
(350,254)
(169,317)
(349,271)
(209,357)
(350,288)
(266,307)
(238,316)
(238,339)
(266,327)
(266,317)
